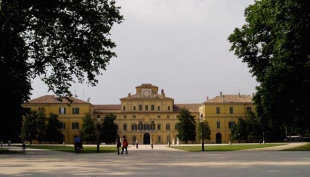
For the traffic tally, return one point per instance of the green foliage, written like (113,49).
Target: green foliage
(206,130)
(55,40)
(41,125)
(275,44)
(29,127)
(186,126)
(53,128)
(109,129)
(87,131)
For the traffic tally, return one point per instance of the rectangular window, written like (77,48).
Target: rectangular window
(152,107)
(140,107)
(124,108)
(168,108)
(134,116)
(231,110)
(125,127)
(168,116)
(167,126)
(75,110)
(158,108)
(62,110)
(159,139)
(218,124)
(218,111)
(125,117)
(146,107)
(134,108)
(231,124)
(134,127)
(158,116)
(63,125)
(248,108)
(158,127)
(75,125)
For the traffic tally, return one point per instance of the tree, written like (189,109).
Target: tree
(87,132)
(206,130)
(186,126)
(29,126)
(275,44)
(59,41)
(53,128)
(109,129)
(41,125)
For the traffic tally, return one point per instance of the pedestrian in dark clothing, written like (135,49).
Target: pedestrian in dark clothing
(125,145)
(118,145)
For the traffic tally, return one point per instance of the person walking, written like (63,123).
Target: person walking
(137,144)
(118,144)
(125,145)
(152,143)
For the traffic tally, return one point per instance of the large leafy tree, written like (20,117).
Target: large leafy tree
(41,125)
(206,130)
(186,126)
(274,42)
(60,41)
(29,127)
(53,128)
(87,132)
(109,129)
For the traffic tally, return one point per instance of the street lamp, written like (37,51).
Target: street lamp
(98,131)
(202,138)
(168,137)
(263,137)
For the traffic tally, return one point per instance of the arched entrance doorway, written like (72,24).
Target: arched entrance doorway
(218,138)
(146,138)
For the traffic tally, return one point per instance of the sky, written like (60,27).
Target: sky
(180,46)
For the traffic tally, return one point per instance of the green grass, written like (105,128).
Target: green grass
(86,149)
(225,147)
(305,147)
(5,151)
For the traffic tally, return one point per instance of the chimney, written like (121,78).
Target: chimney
(129,95)
(223,98)
(162,91)
(239,94)
(207,98)
(221,94)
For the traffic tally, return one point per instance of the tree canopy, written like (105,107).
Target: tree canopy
(109,129)
(274,42)
(186,126)
(87,131)
(206,130)
(60,41)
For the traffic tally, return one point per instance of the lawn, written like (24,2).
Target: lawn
(225,147)
(86,149)
(305,147)
(5,151)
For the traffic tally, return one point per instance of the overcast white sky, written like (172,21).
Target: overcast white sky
(178,45)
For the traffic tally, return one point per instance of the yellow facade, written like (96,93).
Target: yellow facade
(223,111)
(68,117)
(148,114)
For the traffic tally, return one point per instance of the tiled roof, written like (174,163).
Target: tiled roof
(231,99)
(190,107)
(54,99)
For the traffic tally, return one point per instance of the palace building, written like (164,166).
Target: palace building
(148,114)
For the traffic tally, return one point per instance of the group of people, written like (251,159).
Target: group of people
(119,144)
(125,144)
